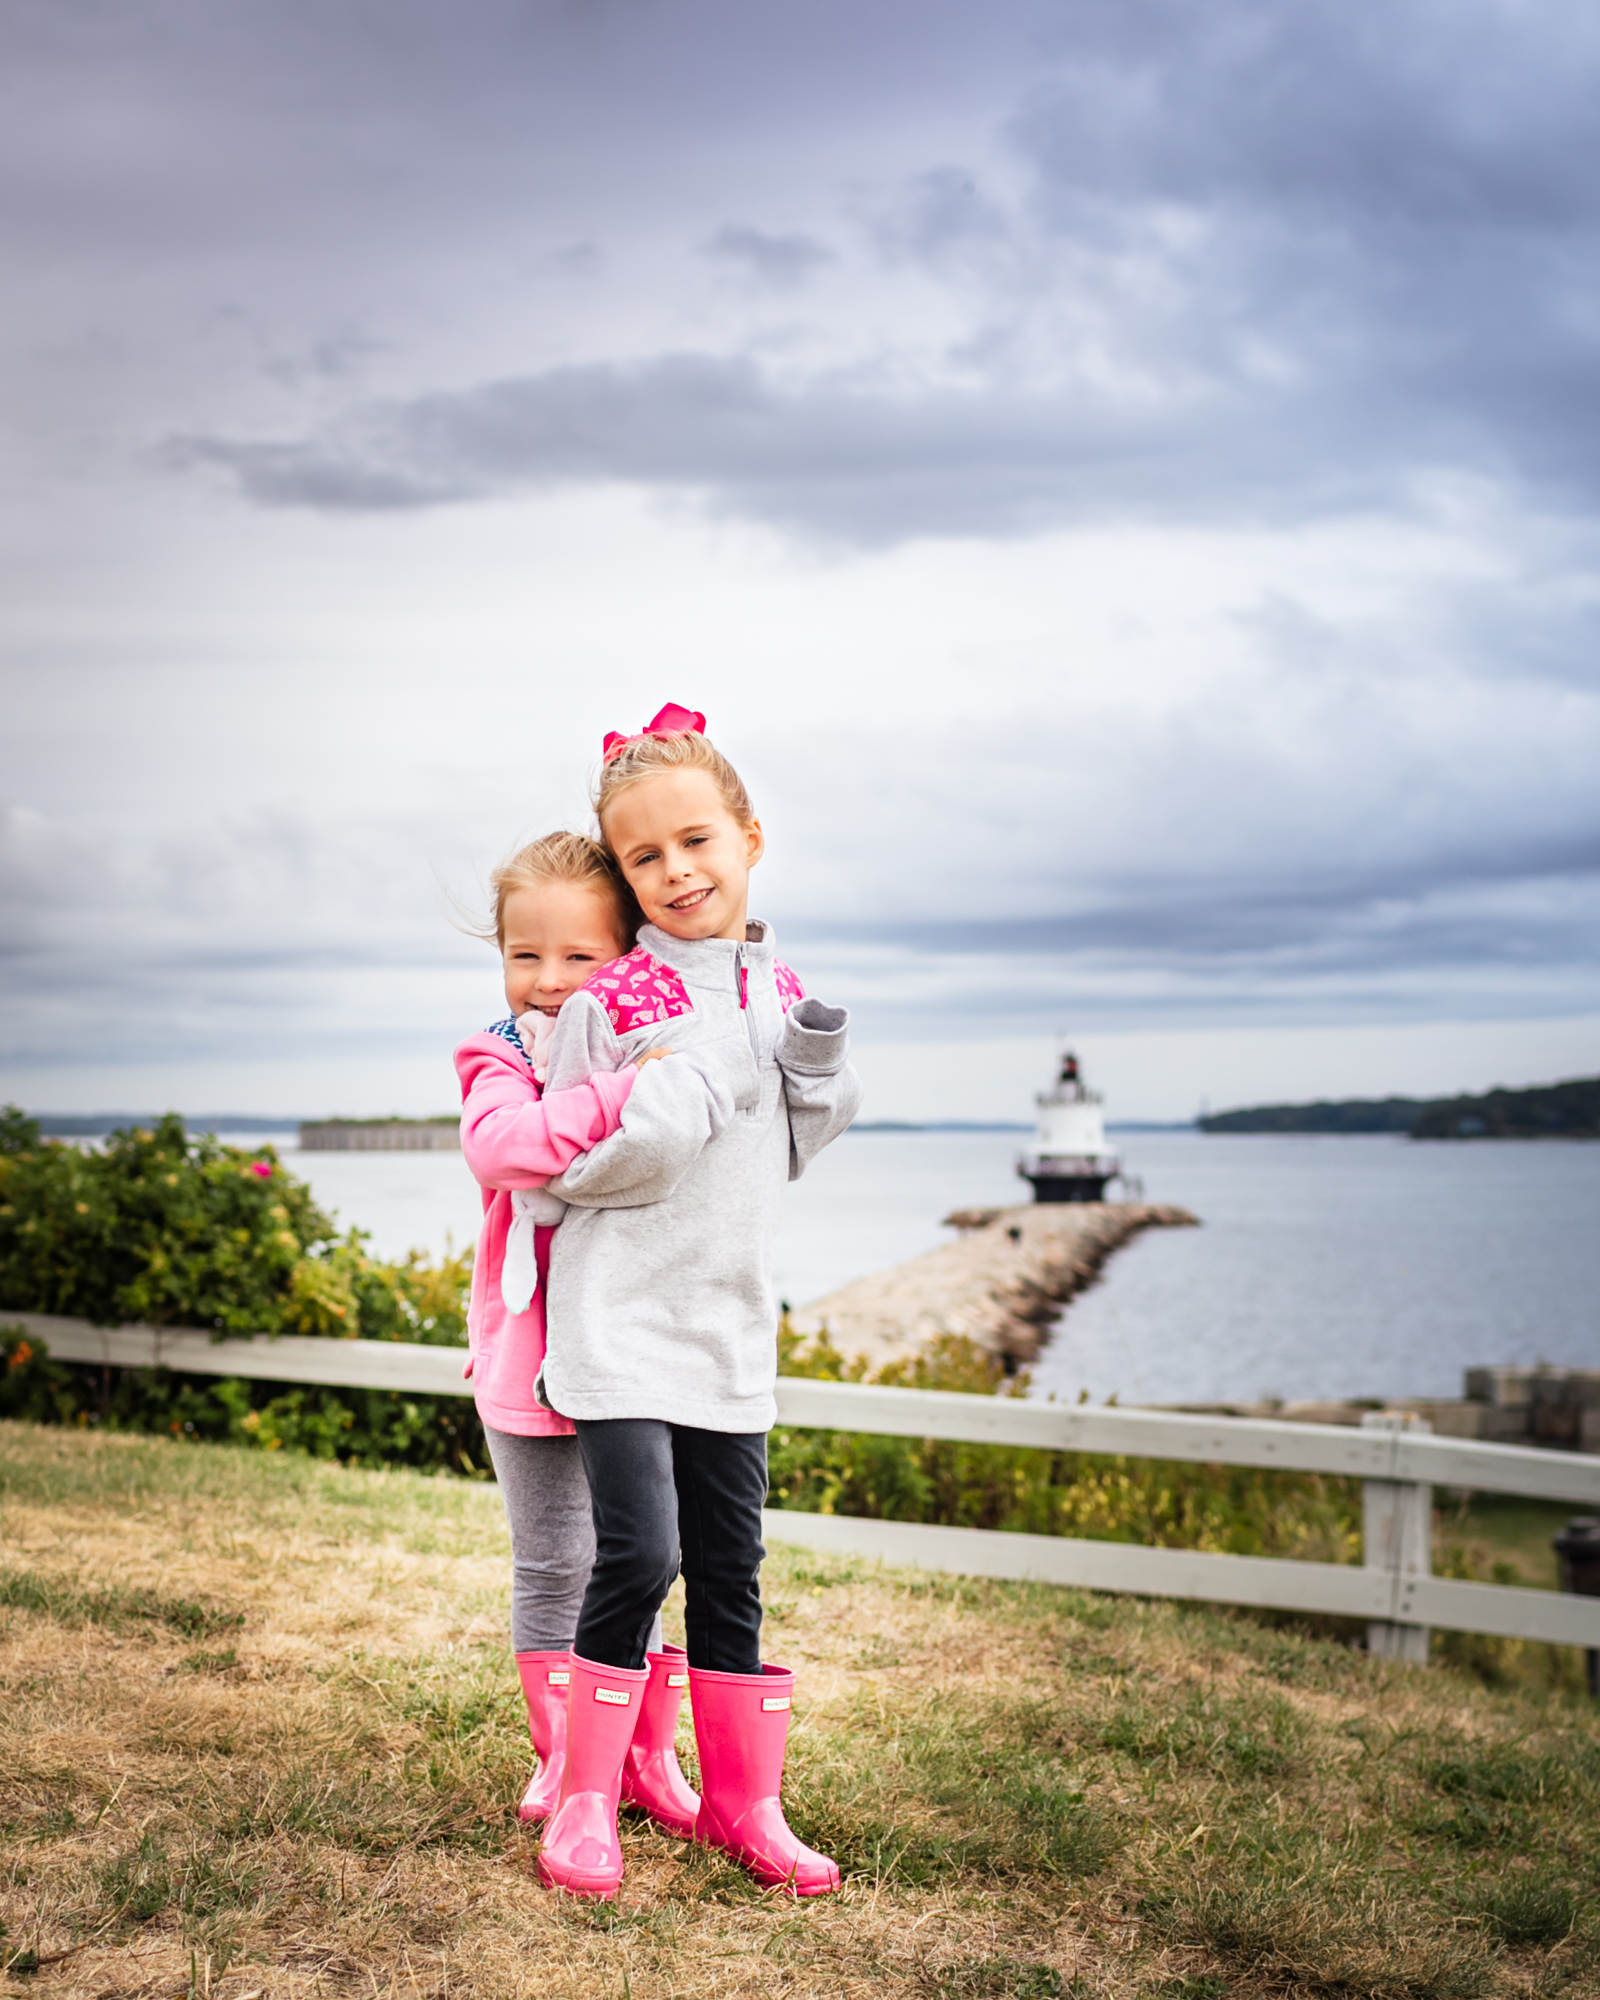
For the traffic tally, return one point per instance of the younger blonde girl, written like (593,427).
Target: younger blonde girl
(561,912)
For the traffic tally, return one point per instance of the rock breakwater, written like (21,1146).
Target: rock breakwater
(1000,1283)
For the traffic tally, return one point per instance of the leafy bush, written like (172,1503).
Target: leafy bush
(1229,1509)
(163,1230)
(167,1230)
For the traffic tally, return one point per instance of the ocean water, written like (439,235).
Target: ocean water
(1323,1266)
(1339,1267)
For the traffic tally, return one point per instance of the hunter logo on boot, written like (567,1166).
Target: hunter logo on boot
(677,1680)
(617,1697)
(558,1680)
(771,1701)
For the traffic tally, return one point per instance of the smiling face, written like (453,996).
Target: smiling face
(685,856)
(554,935)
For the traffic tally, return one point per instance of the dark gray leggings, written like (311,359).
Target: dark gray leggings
(546,1500)
(552,1536)
(660,1489)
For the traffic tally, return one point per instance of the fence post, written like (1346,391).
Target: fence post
(1397,1537)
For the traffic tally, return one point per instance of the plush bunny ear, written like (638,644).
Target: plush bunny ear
(671,721)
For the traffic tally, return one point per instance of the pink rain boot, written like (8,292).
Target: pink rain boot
(544,1682)
(580,1851)
(650,1774)
(741,1725)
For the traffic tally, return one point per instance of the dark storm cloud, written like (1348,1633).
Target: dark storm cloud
(1545,920)
(781,261)
(279,933)
(841,458)
(1249,262)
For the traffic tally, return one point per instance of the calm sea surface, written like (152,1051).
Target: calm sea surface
(1324,1267)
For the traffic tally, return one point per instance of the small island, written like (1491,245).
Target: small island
(1568,1110)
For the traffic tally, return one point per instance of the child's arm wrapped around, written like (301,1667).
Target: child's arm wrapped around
(677,1107)
(513,1138)
(514,1142)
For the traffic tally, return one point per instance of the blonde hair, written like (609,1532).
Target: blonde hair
(564,857)
(686,750)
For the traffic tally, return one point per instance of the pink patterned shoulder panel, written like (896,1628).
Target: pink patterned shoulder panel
(789,988)
(638,990)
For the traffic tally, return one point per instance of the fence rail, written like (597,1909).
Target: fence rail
(1398,1462)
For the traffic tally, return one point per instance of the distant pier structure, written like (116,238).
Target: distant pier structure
(1069,1159)
(381,1135)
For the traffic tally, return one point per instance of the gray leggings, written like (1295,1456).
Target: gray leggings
(552,1538)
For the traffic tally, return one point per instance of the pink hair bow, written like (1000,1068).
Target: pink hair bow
(672,721)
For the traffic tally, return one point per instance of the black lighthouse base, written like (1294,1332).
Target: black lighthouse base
(1068,1187)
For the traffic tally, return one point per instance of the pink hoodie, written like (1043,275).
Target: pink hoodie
(512,1139)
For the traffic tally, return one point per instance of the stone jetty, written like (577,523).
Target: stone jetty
(381,1135)
(1000,1283)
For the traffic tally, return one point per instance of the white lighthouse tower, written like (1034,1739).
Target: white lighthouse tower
(1069,1159)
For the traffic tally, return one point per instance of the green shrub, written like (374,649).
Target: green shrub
(1233,1510)
(167,1230)
(160,1229)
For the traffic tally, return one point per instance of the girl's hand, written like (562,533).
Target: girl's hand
(650,1055)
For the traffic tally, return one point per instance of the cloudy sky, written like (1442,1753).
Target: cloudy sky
(1120,476)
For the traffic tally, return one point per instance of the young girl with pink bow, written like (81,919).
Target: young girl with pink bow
(662,1324)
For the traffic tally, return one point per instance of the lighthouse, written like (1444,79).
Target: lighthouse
(1069,1159)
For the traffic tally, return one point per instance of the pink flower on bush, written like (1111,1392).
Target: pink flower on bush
(262,1169)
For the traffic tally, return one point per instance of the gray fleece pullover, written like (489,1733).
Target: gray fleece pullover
(659,1303)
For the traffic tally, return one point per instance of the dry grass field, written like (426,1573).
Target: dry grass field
(259,1736)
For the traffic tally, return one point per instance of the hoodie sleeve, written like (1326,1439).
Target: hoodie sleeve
(513,1138)
(822,1088)
(675,1111)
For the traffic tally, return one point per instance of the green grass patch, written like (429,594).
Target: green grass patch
(1534,1909)
(1317,1937)
(1000,1978)
(69,1602)
(932,1789)
(1249,1735)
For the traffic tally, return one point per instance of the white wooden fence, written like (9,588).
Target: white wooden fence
(1399,1461)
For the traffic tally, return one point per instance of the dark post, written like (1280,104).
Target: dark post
(1578,1549)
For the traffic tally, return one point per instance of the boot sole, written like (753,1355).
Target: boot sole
(590,1889)
(793,1889)
(784,1885)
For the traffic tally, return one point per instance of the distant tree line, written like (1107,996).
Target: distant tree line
(1548,1111)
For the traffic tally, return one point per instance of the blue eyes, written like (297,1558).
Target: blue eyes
(644,860)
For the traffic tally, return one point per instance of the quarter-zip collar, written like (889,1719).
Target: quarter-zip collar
(720,963)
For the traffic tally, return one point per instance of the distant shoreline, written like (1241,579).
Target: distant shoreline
(1569,1110)
(1011,1125)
